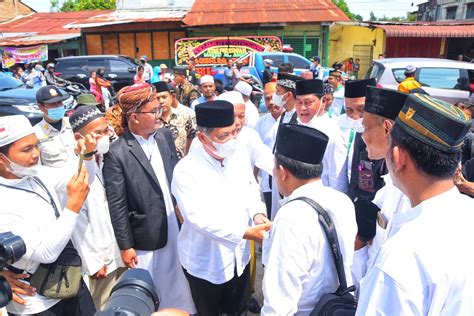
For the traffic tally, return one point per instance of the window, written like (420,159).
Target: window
(470,11)
(277,59)
(451,13)
(298,62)
(399,74)
(443,78)
(118,66)
(93,64)
(69,64)
(375,71)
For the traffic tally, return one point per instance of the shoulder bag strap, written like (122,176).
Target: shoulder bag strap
(330,231)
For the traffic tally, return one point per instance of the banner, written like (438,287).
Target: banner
(212,51)
(13,55)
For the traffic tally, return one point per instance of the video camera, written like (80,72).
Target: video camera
(12,247)
(133,295)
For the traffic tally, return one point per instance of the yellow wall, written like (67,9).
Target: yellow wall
(343,38)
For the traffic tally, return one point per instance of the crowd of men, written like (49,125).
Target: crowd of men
(184,183)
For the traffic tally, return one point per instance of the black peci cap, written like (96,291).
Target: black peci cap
(314,86)
(215,114)
(356,88)
(384,102)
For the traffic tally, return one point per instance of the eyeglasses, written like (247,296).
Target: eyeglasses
(157,112)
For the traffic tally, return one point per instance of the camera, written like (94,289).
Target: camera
(12,247)
(133,295)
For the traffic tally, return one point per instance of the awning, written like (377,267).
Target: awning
(37,39)
(435,30)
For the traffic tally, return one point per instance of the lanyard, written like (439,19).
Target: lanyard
(351,139)
(42,186)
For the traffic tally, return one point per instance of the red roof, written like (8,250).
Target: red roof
(428,30)
(229,12)
(47,23)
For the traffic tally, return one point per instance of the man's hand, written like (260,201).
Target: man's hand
(256,233)
(17,286)
(101,274)
(464,186)
(86,144)
(77,190)
(130,258)
(260,218)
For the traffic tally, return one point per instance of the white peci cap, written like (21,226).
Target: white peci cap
(206,79)
(233,97)
(13,128)
(243,88)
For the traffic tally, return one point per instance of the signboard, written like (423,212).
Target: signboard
(13,55)
(213,51)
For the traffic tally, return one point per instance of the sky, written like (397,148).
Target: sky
(390,8)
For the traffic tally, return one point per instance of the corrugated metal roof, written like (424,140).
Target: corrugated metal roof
(429,30)
(42,28)
(124,17)
(230,12)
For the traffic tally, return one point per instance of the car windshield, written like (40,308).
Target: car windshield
(375,71)
(7,82)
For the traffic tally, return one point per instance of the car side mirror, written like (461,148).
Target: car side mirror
(132,69)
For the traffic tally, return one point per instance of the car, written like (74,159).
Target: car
(444,79)
(118,69)
(17,98)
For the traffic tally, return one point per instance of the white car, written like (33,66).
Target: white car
(444,79)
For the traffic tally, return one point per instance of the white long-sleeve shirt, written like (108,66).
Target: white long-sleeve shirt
(251,114)
(218,202)
(299,266)
(391,201)
(425,265)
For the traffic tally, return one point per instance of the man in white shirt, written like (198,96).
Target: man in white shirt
(94,235)
(265,127)
(208,89)
(219,205)
(299,267)
(380,111)
(137,173)
(422,268)
(30,208)
(251,112)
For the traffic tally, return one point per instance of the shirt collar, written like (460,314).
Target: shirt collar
(141,140)
(307,189)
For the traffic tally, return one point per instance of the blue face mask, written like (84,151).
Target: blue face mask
(56,114)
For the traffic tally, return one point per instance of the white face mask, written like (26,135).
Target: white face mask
(278,100)
(356,125)
(103,145)
(225,150)
(21,171)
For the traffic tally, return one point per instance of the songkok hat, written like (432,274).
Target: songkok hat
(328,89)
(287,80)
(161,86)
(13,128)
(366,218)
(50,94)
(215,114)
(171,88)
(356,88)
(83,116)
(384,102)
(301,143)
(314,86)
(434,122)
(180,70)
(86,99)
(243,88)
(206,79)
(233,97)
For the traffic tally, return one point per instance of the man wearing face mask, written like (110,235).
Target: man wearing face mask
(364,174)
(94,236)
(54,132)
(219,206)
(137,174)
(285,97)
(31,209)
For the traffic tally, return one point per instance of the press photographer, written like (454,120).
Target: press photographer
(30,209)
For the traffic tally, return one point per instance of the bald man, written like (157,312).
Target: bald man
(266,127)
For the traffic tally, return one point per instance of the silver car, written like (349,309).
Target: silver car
(444,79)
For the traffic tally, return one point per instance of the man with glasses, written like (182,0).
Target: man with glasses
(219,205)
(137,176)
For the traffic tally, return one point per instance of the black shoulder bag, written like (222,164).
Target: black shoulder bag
(341,302)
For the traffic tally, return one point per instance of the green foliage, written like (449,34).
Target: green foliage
(341,4)
(82,5)
(372,16)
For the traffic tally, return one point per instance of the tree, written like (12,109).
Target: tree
(82,5)
(372,16)
(341,4)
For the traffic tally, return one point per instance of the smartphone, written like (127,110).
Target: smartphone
(81,160)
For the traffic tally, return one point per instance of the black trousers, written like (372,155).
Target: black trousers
(80,305)
(267,196)
(231,298)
